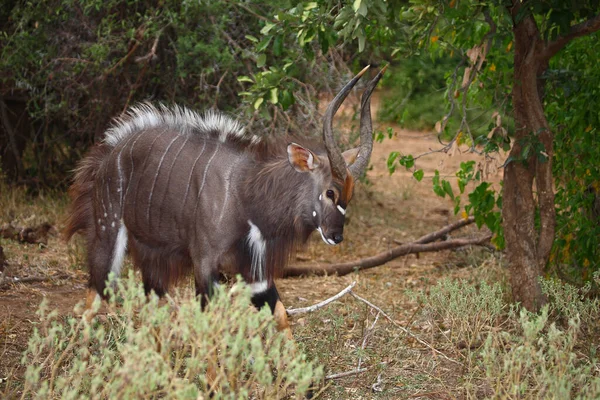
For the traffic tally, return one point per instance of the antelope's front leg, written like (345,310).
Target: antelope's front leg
(263,294)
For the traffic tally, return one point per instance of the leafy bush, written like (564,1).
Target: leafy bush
(147,350)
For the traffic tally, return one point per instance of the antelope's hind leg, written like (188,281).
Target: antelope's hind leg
(106,253)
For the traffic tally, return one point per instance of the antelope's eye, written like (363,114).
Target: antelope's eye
(330,194)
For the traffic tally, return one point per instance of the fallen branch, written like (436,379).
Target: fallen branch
(36,234)
(432,237)
(295,311)
(381,258)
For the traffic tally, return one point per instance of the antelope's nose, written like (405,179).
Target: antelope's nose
(338,237)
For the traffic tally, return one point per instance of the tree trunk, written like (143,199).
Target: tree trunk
(528,247)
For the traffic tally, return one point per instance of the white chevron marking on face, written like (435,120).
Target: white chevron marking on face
(328,241)
(342,210)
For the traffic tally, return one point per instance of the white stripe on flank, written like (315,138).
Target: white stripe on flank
(119,251)
(206,170)
(259,287)
(258,249)
(342,210)
(156,178)
(227,190)
(187,188)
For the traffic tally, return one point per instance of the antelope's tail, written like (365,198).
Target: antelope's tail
(81,214)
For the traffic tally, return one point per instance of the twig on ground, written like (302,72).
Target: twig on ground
(348,289)
(347,373)
(303,310)
(403,329)
(367,334)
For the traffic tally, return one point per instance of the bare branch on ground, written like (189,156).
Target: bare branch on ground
(422,245)
(315,307)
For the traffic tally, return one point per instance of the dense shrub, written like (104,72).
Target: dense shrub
(146,349)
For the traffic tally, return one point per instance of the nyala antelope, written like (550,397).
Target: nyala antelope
(186,192)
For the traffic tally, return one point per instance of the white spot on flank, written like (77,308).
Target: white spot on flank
(105,215)
(113,224)
(320,197)
(328,241)
(103,228)
(259,287)
(116,216)
(314,213)
(258,248)
(119,251)
(99,220)
(342,210)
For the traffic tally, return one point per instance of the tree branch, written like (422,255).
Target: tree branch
(585,28)
(431,237)
(422,245)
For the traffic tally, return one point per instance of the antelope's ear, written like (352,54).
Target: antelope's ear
(350,155)
(301,158)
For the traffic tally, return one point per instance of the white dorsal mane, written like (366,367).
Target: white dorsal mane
(145,116)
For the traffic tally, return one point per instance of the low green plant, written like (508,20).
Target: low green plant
(146,349)
(463,312)
(539,360)
(568,302)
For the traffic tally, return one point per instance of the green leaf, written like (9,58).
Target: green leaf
(252,38)
(356,5)
(311,5)
(261,60)
(268,26)
(361,42)
(287,99)
(407,161)
(244,78)
(448,188)
(258,102)
(278,45)
(391,161)
(418,175)
(274,98)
